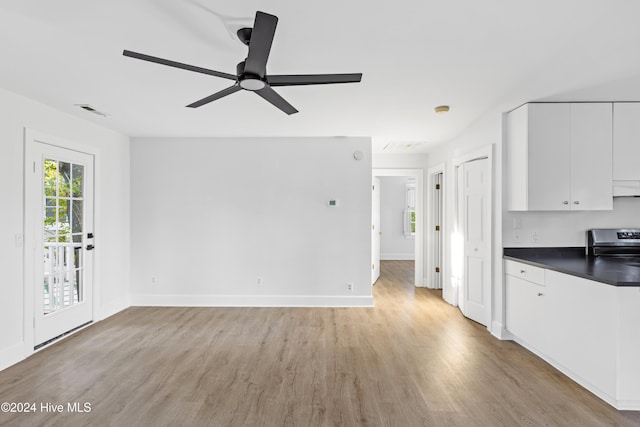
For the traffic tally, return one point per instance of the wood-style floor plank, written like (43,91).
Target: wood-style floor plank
(413,360)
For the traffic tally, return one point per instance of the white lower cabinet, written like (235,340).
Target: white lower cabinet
(582,329)
(525,307)
(586,329)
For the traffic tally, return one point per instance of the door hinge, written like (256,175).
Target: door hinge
(373,226)
(373,188)
(437,228)
(373,266)
(437,186)
(437,269)
(34,167)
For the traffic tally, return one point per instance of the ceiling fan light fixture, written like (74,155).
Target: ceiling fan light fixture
(252,84)
(442,109)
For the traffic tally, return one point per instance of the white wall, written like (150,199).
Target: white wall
(210,216)
(112,212)
(394,245)
(568,228)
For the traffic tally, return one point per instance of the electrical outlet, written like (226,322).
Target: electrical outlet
(154,279)
(349,287)
(516,237)
(535,236)
(19,240)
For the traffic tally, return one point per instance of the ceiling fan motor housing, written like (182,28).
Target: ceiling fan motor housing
(249,81)
(244,34)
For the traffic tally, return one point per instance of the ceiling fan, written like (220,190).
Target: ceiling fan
(251,73)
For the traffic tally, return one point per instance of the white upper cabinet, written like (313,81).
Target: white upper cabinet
(592,156)
(626,141)
(559,157)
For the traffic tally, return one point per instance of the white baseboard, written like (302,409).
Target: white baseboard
(111,309)
(397,257)
(628,405)
(12,355)
(251,301)
(499,331)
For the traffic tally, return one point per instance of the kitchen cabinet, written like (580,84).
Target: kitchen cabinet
(525,292)
(582,334)
(586,329)
(559,157)
(626,141)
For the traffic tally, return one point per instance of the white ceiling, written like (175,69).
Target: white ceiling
(480,57)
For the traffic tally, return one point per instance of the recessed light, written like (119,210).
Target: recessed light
(442,109)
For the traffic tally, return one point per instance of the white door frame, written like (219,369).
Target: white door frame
(375,231)
(31,227)
(484,152)
(431,226)
(418,174)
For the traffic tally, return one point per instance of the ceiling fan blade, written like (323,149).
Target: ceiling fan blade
(313,79)
(217,95)
(273,97)
(264,28)
(178,65)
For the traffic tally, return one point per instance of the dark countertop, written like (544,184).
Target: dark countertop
(574,261)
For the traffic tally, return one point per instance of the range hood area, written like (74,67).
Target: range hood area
(626,188)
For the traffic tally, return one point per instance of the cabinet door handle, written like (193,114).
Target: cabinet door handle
(523,271)
(566,202)
(540,294)
(576,202)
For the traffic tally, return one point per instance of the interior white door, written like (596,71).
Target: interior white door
(375,230)
(62,209)
(476,222)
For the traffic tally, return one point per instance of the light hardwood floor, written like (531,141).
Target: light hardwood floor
(413,360)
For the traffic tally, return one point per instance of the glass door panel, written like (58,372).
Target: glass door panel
(63,184)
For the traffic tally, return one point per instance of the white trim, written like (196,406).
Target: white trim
(251,301)
(397,257)
(430,276)
(112,309)
(11,355)
(499,331)
(420,214)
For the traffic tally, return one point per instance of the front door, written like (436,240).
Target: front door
(63,239)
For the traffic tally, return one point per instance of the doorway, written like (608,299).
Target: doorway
(59,199)
(413,221)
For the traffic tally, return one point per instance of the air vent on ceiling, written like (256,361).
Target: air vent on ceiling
(401,146)
(90,109)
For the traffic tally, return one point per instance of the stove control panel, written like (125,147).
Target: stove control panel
(628,235)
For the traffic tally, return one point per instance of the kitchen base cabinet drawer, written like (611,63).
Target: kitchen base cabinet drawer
(524,271)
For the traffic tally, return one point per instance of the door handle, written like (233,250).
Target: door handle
(90,247)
